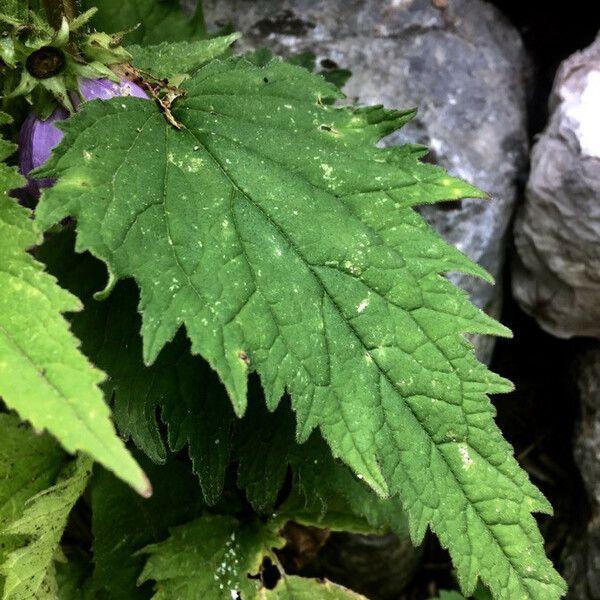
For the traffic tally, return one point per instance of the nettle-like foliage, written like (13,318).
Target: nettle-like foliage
(277,342)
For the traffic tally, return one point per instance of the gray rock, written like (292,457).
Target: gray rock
(557,234)
(464,68)
(582,556)
(378,566)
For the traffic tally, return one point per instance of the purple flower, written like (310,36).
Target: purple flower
(38,137)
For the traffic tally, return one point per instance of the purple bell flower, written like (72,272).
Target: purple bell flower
(38,137)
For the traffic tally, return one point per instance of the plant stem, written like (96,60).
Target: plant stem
(57,9)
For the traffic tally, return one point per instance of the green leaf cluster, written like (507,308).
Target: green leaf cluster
(43,375)
(275,337)
(211,557)
(40,485)
(287,245)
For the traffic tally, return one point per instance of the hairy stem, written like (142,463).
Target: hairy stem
(57,9)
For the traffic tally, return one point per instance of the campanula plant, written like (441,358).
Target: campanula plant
(222,315)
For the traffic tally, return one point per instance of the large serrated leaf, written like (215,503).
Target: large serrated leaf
(193,405)
(286,243)
(43,375)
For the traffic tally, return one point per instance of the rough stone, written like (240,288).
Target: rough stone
(378,566)
(463,66)
(557,233)
(582,555)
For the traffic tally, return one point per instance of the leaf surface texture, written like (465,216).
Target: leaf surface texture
(286,243)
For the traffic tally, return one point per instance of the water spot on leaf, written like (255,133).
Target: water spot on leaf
(465,456)
(361,307)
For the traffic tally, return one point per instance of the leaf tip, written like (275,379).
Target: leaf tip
(145,488)
(505,332)
(108,288)
(375,480)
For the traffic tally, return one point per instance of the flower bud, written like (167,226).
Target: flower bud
(38,137)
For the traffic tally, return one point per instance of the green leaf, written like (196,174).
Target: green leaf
(168,59)
(43,374)
(73,578)
(482,593)
(158,21)
(449,595)
(14,9)
(210,558)
(324,492)
(29,569)
(123,523)
(264,447)
(9,177)
(300,588)
(187,393)
(29,463)
(217,557)
(287,244)
(194,406)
